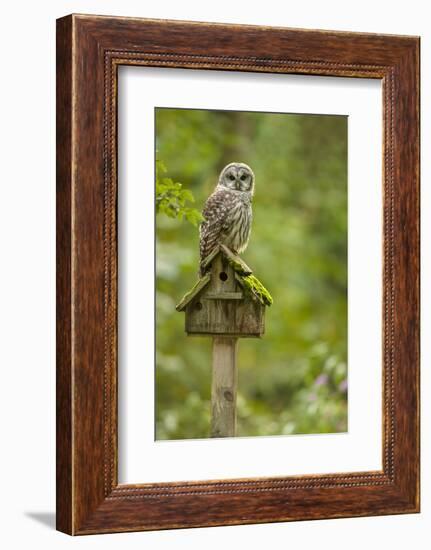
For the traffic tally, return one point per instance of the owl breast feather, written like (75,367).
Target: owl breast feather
(236,231)
(228,217)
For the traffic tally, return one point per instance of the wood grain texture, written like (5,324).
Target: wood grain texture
(64,496)
(224,387)
(89,51)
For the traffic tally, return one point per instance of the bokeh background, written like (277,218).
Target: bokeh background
(294,379)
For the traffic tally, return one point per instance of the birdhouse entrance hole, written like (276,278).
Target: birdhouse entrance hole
(223,276)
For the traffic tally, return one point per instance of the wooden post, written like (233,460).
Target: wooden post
(224,386)
(224,369)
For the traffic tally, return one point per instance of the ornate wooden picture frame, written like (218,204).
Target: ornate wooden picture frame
(89,51)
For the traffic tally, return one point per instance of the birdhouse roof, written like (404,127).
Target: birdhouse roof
(243,274)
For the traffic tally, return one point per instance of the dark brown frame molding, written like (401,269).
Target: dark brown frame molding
(89,51)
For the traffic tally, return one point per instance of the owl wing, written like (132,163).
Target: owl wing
(216,213)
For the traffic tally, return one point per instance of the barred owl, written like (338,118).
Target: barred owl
(227,211)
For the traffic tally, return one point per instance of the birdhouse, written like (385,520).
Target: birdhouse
(228,300)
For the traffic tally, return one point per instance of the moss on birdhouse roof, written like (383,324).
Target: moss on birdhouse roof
(255,288)
(243,274)
(188,296)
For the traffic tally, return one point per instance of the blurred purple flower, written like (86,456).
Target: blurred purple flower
(343,385)
(321,380)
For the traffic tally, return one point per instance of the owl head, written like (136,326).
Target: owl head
(237,176)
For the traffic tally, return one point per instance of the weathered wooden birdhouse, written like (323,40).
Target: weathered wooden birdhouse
(228,300)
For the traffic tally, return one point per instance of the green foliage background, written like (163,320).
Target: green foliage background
(294,379)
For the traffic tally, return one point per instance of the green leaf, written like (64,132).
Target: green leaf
(172,198)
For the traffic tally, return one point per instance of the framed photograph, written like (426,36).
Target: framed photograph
(237,274)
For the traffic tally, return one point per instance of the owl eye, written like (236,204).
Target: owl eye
(231,177)
(243,177)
